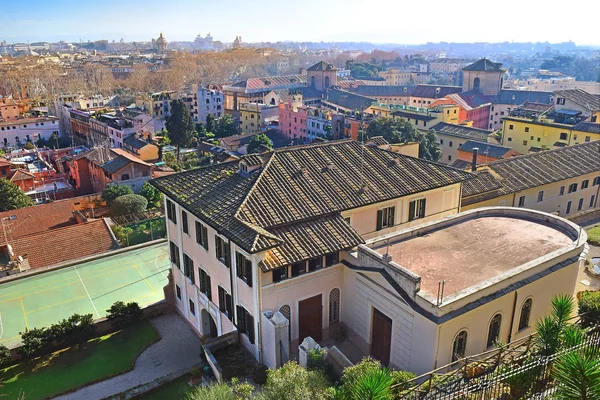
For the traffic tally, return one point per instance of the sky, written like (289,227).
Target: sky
(383,21)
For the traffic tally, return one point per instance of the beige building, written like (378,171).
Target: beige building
(296,243)
(396,77)
(451,137)
(483,76)
(564,181)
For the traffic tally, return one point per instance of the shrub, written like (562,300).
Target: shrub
(29,146)
(316,359)
(589,307)
(34,340)
(121,314)
(77,329)
(292,382)
(114,191)
(129,204)
(151,194)
(220,391)
(400,380)
(5,356)
(121,234)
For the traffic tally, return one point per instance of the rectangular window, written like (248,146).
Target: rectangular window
(188,267)
(568,208)
(449,158)
(587,139)
(225,303)
(280,274)
(416,209)
(526,129)
(332,258)
(521,201)
(572,187)
(222,251)
(562,190)
(585,184)
(192,307)
(592,199)
(540,196)
(441,141)
(580,204)
(204,283)
(244,268)
(509,139)
(385,217)
(511,127)
(315,264)
(174,253)
(298,269)
(563,136)
(184,222)
(596,181)
(178,292)
(171,211)
(450,143)
(524,142)
(245,323)
(202,235)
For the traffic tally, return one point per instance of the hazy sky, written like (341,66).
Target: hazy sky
(384,21)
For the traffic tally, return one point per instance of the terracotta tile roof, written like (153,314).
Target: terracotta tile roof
(299,183)
(484,65)
(322,66)
(470,100)
(462,131)
(348,100)
(121,160)
(272,83)
(434,91)
(309,239)
(591,127)
(536,169)
(485,149)
(30,220)
(581,98)
(484,182)
(6,163)
(21,175)
(65,244)
(377,141)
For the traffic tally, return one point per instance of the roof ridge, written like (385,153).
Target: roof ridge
(243,203)
(554,151)
(92,221)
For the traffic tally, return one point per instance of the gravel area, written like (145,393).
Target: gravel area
(178,350)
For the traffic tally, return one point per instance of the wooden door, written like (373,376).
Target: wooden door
(381,339)
(310,317)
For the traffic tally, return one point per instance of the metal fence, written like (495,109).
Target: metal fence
(498,376)
(141,231)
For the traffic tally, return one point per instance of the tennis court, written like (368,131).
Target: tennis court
(88,288)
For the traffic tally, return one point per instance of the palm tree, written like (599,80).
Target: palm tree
(373,385)
(551,329)
(578,375)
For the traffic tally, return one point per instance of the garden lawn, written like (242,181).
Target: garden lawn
(594,235)
(176,390)
(72,368)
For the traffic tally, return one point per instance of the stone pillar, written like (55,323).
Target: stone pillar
(275,339)
(307,345)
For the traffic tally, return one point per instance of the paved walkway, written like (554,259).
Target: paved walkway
(179,349)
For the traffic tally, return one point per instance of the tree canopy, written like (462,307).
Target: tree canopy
(113,191)
(12,197)
(257,141)
(129,204)
(151,194)
(180,125)
(224,126)
(401,131)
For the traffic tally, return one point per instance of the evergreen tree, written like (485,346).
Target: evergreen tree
(12,197)
(180,125)
(257,141)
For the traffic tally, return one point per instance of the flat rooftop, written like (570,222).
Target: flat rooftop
(473,250)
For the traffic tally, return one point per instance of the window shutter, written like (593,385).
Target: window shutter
(241,320)
(379,219)
(208,287)
(222,305)
(217,247)
(391,211)
(238,265)
(226,255)
(205,237)
(229,306)
(250,327)
(423,208)
(249,272)
(277,275)
(411,211)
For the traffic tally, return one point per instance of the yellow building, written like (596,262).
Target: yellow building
(254,116)
(565,181)
(145,150)
(396,77)
(523,134)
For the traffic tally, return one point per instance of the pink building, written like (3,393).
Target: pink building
(293,119)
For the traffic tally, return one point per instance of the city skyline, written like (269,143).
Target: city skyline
(348,21)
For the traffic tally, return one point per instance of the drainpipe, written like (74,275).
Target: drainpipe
(234,300)
(512,319)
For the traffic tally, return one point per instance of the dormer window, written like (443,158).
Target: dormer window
(243,168)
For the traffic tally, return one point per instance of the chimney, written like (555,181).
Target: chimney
(301,71)
(474,161)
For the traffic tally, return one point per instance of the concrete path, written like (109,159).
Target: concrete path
(179,349)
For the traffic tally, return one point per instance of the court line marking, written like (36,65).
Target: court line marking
(88,293)
(145,280)
(162,272)
(24,313)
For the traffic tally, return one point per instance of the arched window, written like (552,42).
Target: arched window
(476,84)
(313,81)
(326,81)
(494,331)
(525,314)
(334,306)
(273,101)
(287,312)
(459,348)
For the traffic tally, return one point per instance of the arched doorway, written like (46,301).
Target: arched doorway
(208,324)
(476,84)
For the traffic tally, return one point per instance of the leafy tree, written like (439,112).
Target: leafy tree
(210,123)
(113,191)
(121,233)
(74,330)
(180,125)
(225,126)
(29,146)
(41,142)
(121,314)
(401,131)
(52,141)
(152,194)
(292,382)
(129,204)
(257,141)
(5,356)
(11,197)
(33,341)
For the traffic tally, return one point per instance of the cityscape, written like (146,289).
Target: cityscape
(332,211)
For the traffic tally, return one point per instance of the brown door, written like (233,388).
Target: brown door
(381,341)
(310,315)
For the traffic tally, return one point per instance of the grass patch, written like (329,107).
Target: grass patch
(177,390)
(594,235)
(69,369)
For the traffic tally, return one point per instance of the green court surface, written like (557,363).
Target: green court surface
(87,288)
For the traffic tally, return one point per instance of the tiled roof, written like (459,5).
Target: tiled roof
(483,182)
(309,93)
(299,183)
(252,159)
(268,83)
(487,149)
(434,91)
(582,98)
(135,142)
(65,244)
(517,97)
(115,164)
(97,155)
(348,84)
(377,141)
(484,65)
(44,217)
(470,100)
(322,66)
(383,90)
(462,131)
(309,239)
(460,164)
(6,163)
(413,114)
(591,127)
(348,100)
(537,169)
(21,175)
